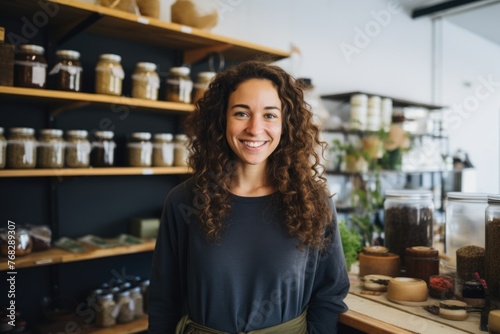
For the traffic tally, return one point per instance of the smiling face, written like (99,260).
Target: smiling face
(254,120)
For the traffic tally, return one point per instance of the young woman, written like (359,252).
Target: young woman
(249,243)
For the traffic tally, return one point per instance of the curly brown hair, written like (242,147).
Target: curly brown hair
(294,167)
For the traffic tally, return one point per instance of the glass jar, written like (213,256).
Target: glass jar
(21,148)
(126,304)
(492,246)
(50,149)
(18,244)
(109,75)
(179,85)
(145,291)
(67,71)
(3,149)
(359,111)
(30,66)
(203,80)
(135,294)
(408,220)
(77,149)
(181,153)
(163,150)
(145,81)
(421,262)
(103,149)
(106,317)
(464,221)
(139,149)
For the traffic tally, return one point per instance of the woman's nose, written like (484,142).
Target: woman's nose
(255,126)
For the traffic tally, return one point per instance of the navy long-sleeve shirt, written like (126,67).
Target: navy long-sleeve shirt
(255,277)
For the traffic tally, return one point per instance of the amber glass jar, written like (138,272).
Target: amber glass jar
(50,149)
(103,149)
(179,85)
(109,75)
(67,71)
(77,149)
(30,67)
(3,150)
(203,80)
(145,81)
(21,148)
(421,262)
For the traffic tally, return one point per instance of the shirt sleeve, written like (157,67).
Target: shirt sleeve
(168,274)
(331,285)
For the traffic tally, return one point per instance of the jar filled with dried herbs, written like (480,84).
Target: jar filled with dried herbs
(77,149)
(181,152)
(136,295)
(30,68)
(179,85)
(50,149)
(67,71)
(139,149)
(109,75)
(492,246)
(103,149)
(126,304)
(106,317)
(163,150)
(470,259)
(201,84)
(408,220)
(21,148)
(145,81)
(3,149)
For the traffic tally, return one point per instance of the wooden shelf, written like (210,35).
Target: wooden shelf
(61,100)
(64,172)
(56,255)
(70,16)
(137,326)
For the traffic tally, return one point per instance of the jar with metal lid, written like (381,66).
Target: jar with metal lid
(107,311)
(77,149)
(181,153)
(179,85)
(473,293)
(109,75)
(464,221)
(126,304)
(67,71)
(201,84)
(408,216)
(103,149)
(3,149)
(421,262)
(492,246)
(145,81)
(163,150)
(139,149)
(136,295)
(30,67)
(21,148)
(50,149)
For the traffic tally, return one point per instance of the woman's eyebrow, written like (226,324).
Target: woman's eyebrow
(244,106)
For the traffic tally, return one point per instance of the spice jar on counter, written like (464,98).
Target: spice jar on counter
(492,246)
(163,150)
(421,262)
(21,148)
(126,303)
(139,149)
(3,149)
(179,85)
(50,149)
(106,316)
(103,149)
(30,67)
(408,220)
(201,84)
(181,152)
(67,71)
(77,149)
(145,81)
(109,75)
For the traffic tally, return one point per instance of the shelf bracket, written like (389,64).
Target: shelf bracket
(192,56)
(77,28)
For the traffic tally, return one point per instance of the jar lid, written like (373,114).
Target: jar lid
(376,250)
(494,199)
(141,135)
(77,133)
(31,48)
(421,251)
(146,66)
(359,99)
(467,197)
(1,131)
(22,131)
(206,75)
(181,137)
(68,54)
(51,132)
(164,136)
(409,194)
(124,293)
(104,134)
(136,289)
(110,56)
(182,70)
(106,297)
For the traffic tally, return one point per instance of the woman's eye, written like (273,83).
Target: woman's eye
(240,114)
(270,116)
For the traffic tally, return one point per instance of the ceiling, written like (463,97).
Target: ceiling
(480,17)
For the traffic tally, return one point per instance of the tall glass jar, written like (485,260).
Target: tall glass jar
(103,149)
(464,221)
(145,81)
(179,85)
(139,149)
(50,149)
(67,71)
(109,75)
(126,304)
(21,148)
(77,149)
(492,246)
(203,80)
(136,295)
(180,150)
(30,68)
(3,150)
(106,316)
(163,150)
(408,220)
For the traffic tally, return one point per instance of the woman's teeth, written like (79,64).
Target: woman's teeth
(254,143)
